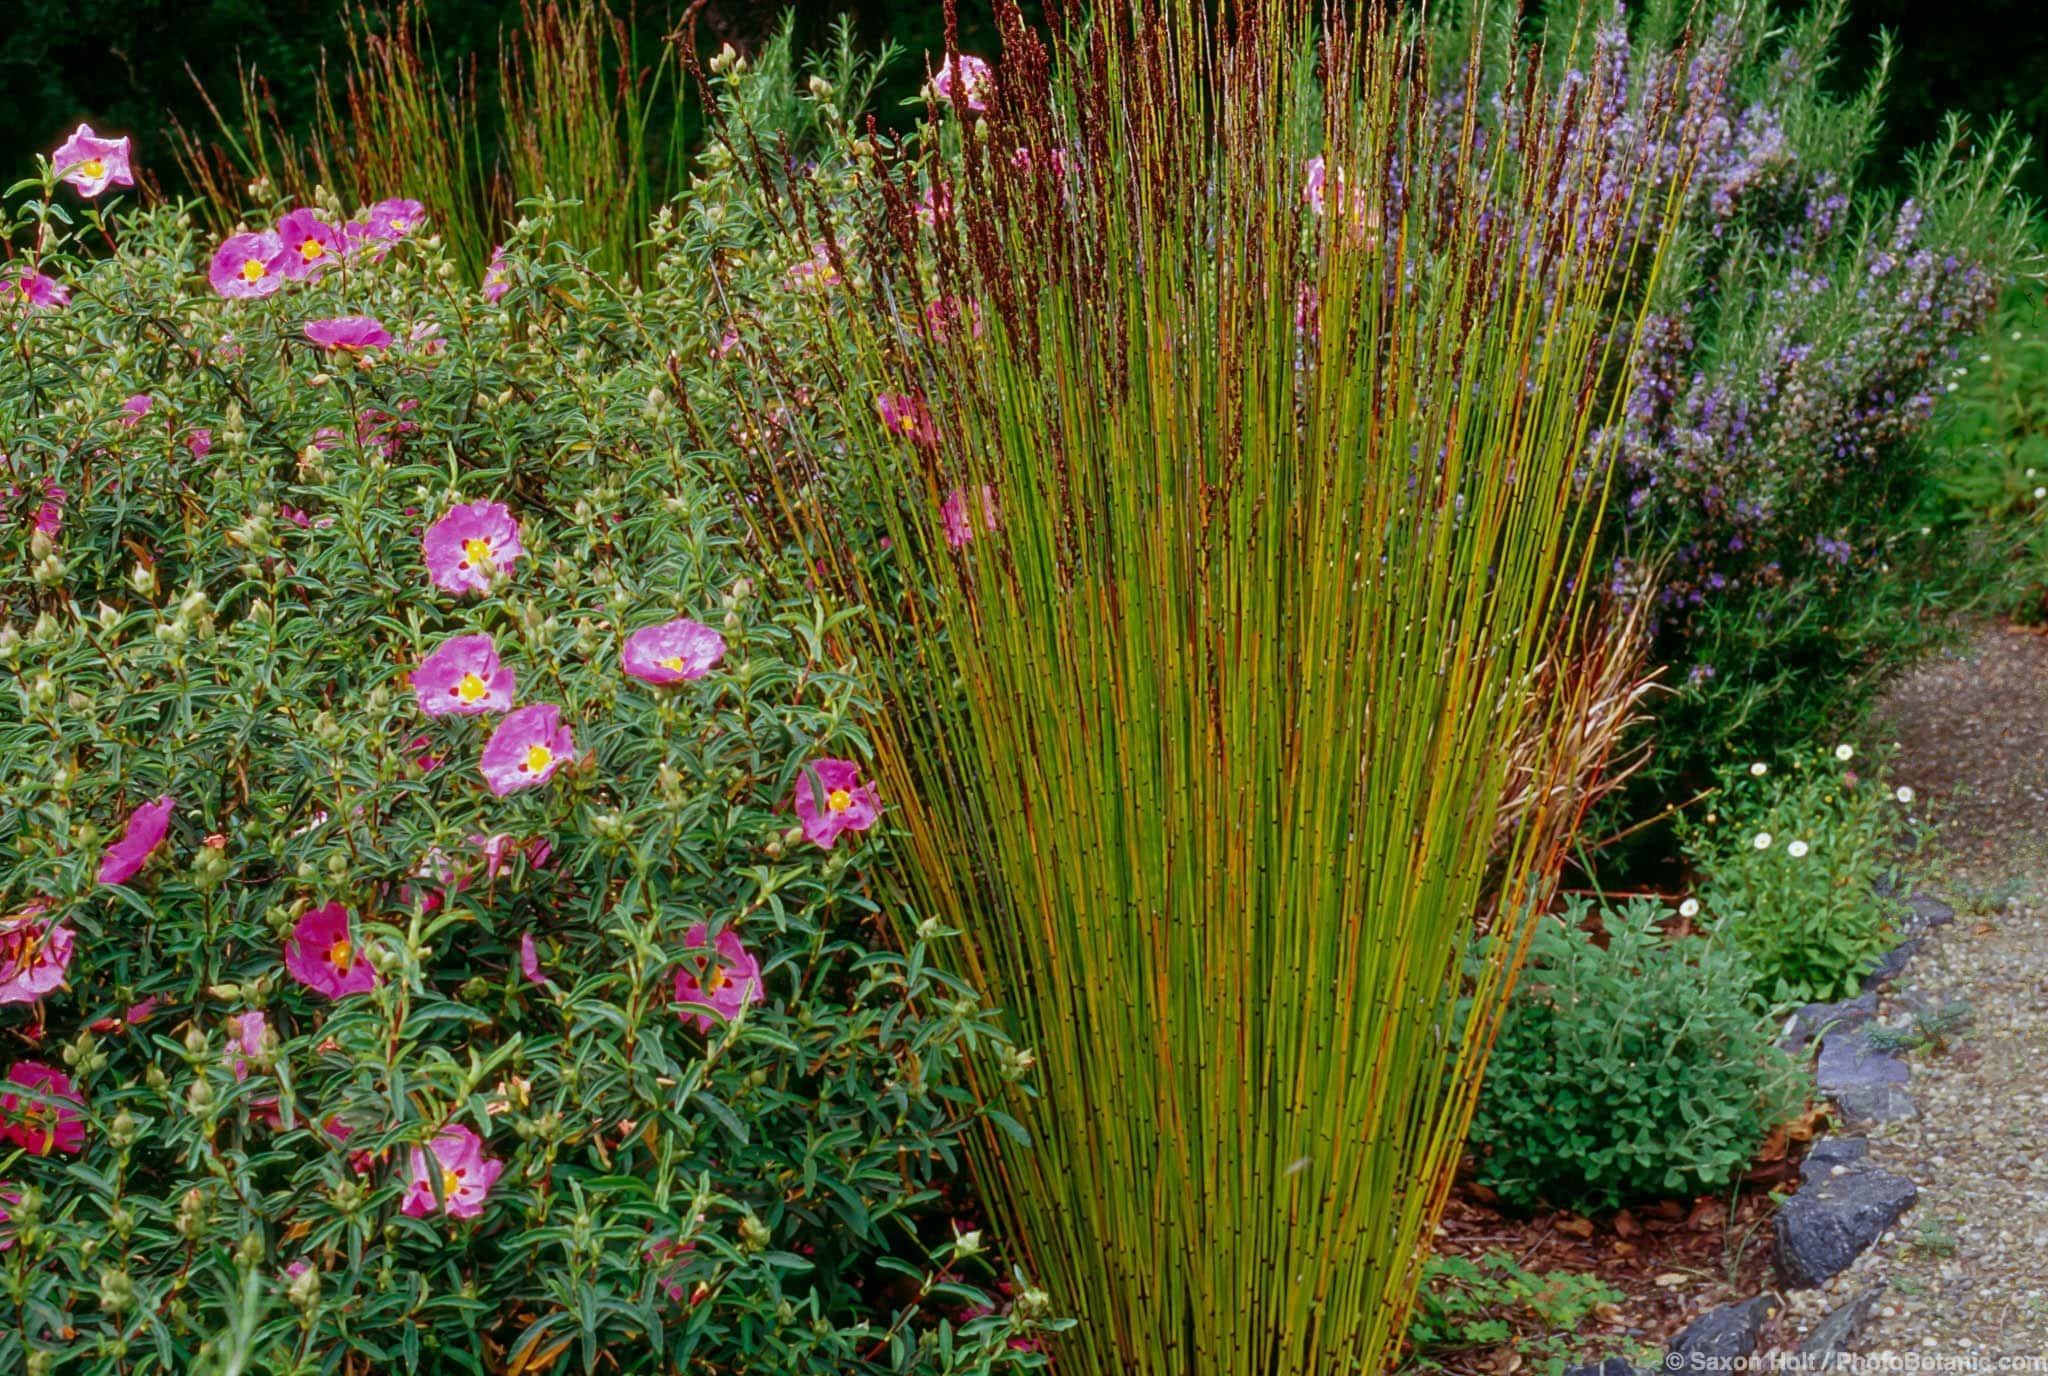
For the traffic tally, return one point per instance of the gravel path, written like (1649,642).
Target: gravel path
(1968,1266)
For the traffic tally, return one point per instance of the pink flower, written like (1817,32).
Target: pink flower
(830,798)
(463,676)
(723,979)
(673,651)
(200,442)
(91,163)
(36,1112)
(498,848)
(135,408)
(49,517)
(143,834)
(247,265)
(818,270)
(470,543)
(935,204)
(907,416)
(388,221)
(351,332)
(311,245)
(529,959)
(247,1029)
(320,954)
(963,80)
(497,276)
(945,315)
(41,293)
(461,1169)
(34,955)
(959,525)
(527,748)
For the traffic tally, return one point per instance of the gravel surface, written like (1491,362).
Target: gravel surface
(1968,1266)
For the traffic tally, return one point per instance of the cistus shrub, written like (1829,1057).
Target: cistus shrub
(1629,1066)
(1789,859)
(436,860)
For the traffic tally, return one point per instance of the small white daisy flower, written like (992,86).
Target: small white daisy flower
(1904,795)
(1689,908)
(1845,753)
(1762,841)
(1796,849)
(2040,492)
(1759,769)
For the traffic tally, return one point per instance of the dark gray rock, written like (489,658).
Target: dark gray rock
(1833,1218)
(1892,963)
(1720,1338)
(1831,1337)
(1831,1152)
(1612,1366)
(1875,1104)
(1809,1023)
(1849,1061)
(1928,912)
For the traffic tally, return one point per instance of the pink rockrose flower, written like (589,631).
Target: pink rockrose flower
(529,959)
(529,745)
(499,848)
(311,245)
(388,221)
(91,163)
(818,270)
(351,332)
(497,276)
(935,204)
(135,408)
(463,676)
(963,81)
(247,265)
(954,512)
(906,416)
(246,1033)
(200,442)
(468,544)
(720,977)
(143,834)
(465,1175)
(947,314)
(37,1110)
(35,954)
(321,954)
(35,290)
(673,651)
(49,517)
(830,799)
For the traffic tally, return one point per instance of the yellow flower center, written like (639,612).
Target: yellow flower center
(471,688)
(312,249)
(252,270)
(342,956)
(477,551)
(839,800)
(906,423)
(717,980)
(674,663)
(399,226)
(451,1183)
(538,757)
(93,167)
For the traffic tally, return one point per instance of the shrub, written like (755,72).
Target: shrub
(1470,1303)
(1772,465)
(353,1036)
(1629,1070)
(1790,860)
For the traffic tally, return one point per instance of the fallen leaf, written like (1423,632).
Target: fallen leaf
(1981,929)
(1577,1227)
(1671,1280)
(1625,1224)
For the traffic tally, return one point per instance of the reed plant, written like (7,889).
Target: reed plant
(1218,477)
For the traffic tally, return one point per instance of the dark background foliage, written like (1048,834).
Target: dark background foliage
(124,65)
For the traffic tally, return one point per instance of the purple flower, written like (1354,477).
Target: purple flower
(463,677)
(35,955)
(351,332)
(959,524)
(721,978)
(673,651)
(311,245)
(830,799)
(529,745)
(470,543)
(963,80)
(91,163)
(497,276)
(322,955)
(38,292)
(143,834)
(247,265)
